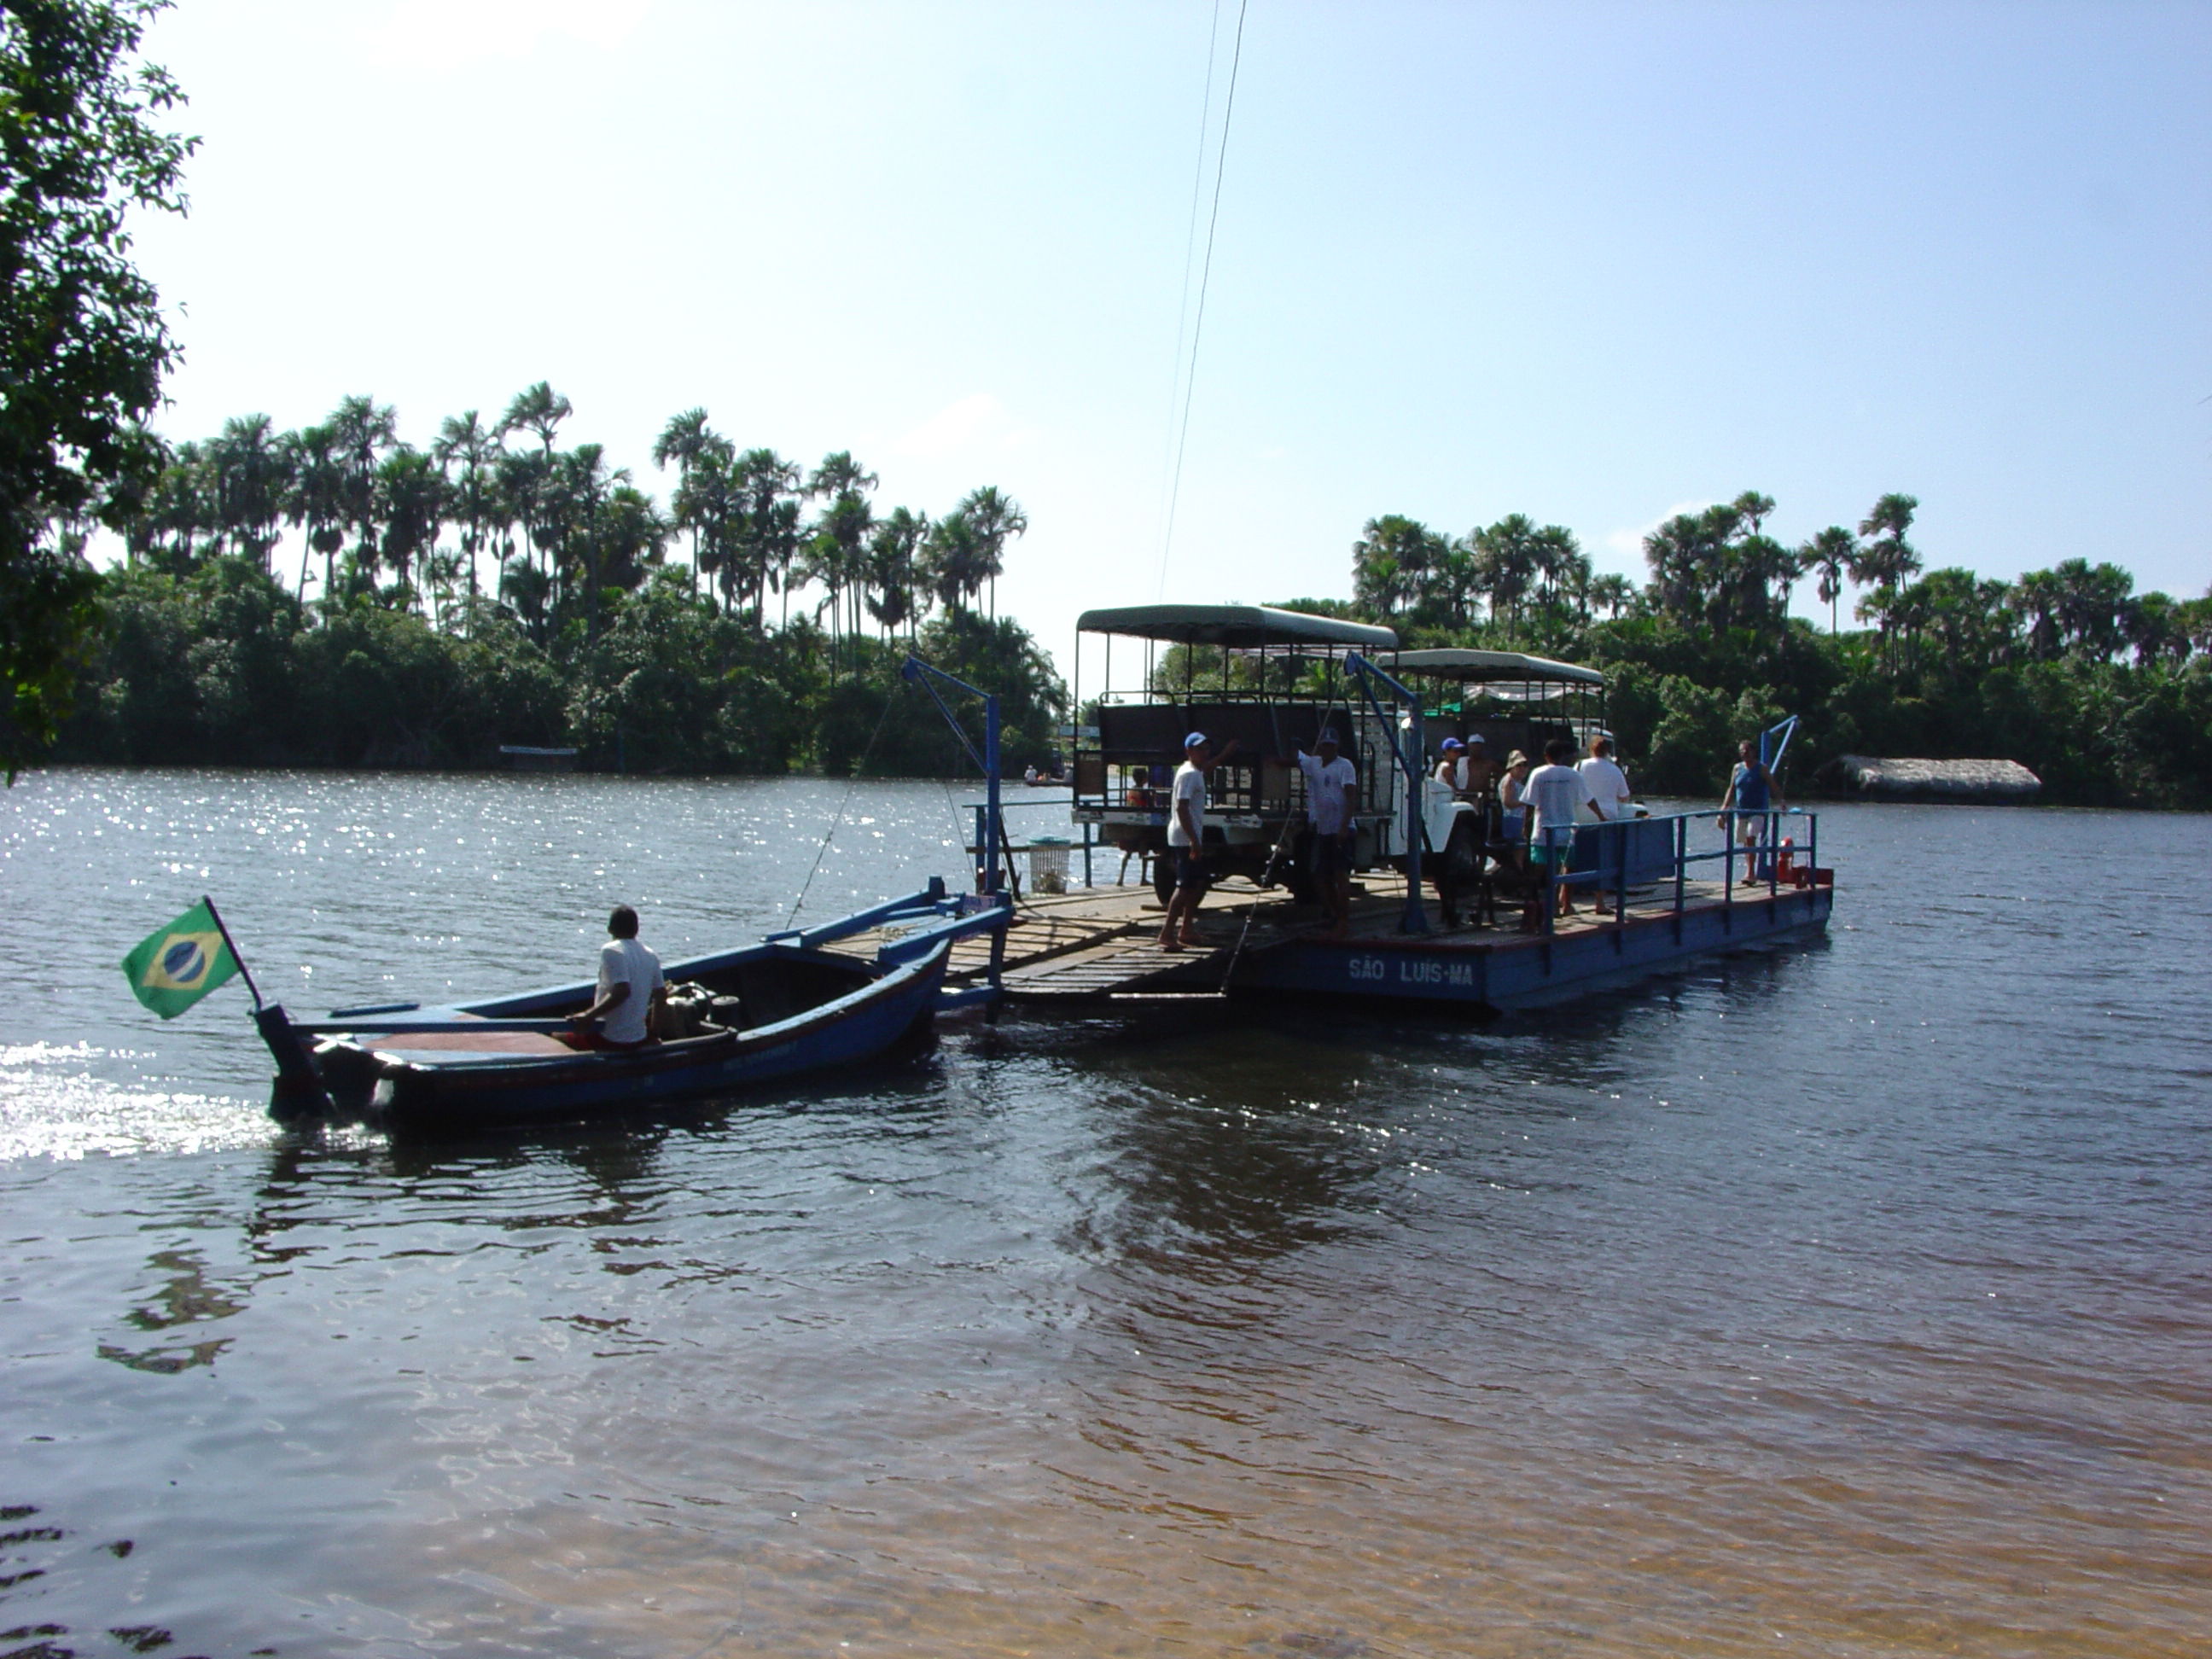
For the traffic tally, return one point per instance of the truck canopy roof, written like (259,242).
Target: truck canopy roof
(1456,662)
(1238,627)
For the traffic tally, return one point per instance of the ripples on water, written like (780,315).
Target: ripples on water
(1852,1300)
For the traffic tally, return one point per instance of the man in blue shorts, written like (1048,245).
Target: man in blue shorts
(1187,839)
(1555,792)
(1752,794)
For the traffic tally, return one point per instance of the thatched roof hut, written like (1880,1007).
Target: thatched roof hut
(1867,777)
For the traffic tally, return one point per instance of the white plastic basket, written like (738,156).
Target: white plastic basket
(1048,867)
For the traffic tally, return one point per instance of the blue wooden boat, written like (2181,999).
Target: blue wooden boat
(781,1009)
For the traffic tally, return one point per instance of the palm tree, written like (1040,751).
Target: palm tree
(538,409)
(1765,572)
(1831,556)
(1887,559)
(1613,591)
(521,480)
(766,488)
(410,499)
(1394,564)
(1691,565)
(839,547)
(710,504)
(954,558)
(697,450)
(631,534)
(1505,558)
(246,469)
(2035,598)
(177,511)
(1753,508)
(315,496)
(466,442)
(442,577)
(891,557)
(998,520)
(1557,562)
(577,495)
(2093,605)
(363,430)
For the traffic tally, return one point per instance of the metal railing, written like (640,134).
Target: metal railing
(1652,856)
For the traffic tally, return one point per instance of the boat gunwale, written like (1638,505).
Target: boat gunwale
(678,1055)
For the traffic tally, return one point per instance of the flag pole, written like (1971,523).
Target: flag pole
(243,972)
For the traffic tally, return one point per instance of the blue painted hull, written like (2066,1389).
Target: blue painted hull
(1526,972)
(429,1091)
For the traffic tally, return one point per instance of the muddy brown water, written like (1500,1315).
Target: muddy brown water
(1848,1299)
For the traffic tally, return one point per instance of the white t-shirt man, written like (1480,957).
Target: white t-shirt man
(1552,793)
(1189,786)
(625,961)
(1329,792)
(1608,786)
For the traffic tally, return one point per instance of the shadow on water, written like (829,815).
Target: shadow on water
(35,1552)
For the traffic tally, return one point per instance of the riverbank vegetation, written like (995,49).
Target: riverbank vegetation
(2104,693)
(496,588)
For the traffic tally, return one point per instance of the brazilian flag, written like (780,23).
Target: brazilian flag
(179,964)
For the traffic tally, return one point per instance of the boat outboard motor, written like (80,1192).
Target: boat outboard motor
(299,1090)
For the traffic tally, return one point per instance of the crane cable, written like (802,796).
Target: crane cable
(1197,325)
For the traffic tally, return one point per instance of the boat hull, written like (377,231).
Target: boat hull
(1531,971)
(429,1091)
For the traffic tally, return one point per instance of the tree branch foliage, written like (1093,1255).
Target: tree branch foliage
(82,345)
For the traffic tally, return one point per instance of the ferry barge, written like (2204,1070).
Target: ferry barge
(1649,893)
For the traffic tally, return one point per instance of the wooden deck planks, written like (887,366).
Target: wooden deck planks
(1095,944)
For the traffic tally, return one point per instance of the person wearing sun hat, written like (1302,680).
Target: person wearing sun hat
(1187,839)
(1511,809)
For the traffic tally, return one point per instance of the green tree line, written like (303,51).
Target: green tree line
(2104,692)
(496,588)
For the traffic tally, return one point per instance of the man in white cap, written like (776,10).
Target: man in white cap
(1330,782)
(1187,839)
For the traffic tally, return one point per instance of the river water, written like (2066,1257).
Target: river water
(1851,1299)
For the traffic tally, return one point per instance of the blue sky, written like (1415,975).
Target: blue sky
(1594,263)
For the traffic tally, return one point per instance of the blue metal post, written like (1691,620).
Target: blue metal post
(991,791)
(1414,922)
(989,833)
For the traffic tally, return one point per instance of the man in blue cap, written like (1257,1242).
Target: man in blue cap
(1187,839)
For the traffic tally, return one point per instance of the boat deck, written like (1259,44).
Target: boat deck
(1102,944)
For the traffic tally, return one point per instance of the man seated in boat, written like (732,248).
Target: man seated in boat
(630,990)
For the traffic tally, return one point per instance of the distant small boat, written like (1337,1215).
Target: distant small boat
(519,757)
(780,1009)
